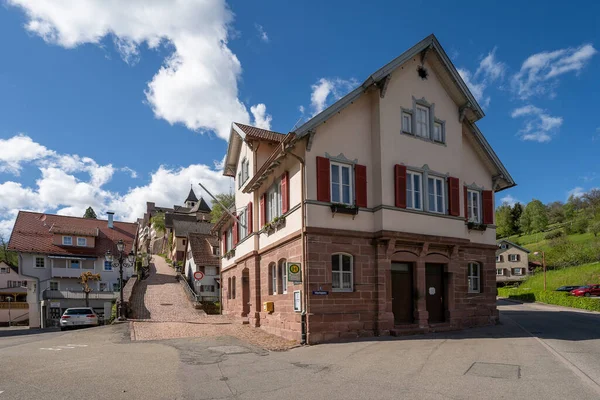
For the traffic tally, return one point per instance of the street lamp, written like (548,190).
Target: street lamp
(120,262)
(537,253)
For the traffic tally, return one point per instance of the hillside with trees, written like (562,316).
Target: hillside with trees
(567,232)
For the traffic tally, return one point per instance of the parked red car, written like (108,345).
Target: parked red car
(587,291)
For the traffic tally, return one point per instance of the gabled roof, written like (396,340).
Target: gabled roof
(513,245)
(32,234)
(201,247)
(13,267)
(169,218)
(183,228)
(240,133)
(191,196)
(201,206)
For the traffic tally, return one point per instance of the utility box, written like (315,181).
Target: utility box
(268,306)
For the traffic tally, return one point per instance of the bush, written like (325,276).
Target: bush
(594,228)
(554,234)
(579,225)
(113,313)
(210,307)
(550,297)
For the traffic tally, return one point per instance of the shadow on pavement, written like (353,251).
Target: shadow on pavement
(24,331)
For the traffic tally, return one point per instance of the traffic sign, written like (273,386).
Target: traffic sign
(294,272)
(198,275)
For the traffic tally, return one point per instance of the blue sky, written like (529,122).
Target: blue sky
(85,97)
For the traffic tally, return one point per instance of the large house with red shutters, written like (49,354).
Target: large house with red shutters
(374,217)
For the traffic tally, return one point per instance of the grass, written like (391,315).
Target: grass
(582,275)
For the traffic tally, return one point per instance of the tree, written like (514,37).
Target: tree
(5,255)
(516,212)
(595,228)
(83,280)
(158,222)
(592,198)
(504,222)
(534,218)
(556,212)
(227,200)
(90,213)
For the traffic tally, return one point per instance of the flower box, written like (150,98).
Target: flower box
(476,226)
(344,209)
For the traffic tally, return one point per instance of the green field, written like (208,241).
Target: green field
(589,273)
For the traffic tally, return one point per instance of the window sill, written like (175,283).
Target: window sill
(342,290)
(425,139)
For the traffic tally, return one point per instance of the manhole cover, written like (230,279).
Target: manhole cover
(495,370)
(166,304)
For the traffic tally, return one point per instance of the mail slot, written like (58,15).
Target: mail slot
(268,306)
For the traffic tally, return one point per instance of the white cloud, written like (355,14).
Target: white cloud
(301,109)
(596,136)
(198,83)
(576,192)
(262,34)
(539,72)
(539,125)
(488,71)
(17,150)
(327,88)
(508,199)
(132,172)
(261,118)
(59,190)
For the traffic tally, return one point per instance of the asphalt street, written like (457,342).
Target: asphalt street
(537,352)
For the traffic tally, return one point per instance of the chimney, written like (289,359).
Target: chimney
(110,215)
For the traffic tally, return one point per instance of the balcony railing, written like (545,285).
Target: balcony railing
(68,294)
(58,272)
(4,305)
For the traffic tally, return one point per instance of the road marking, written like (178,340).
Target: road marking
(78,345)
(49,348)
(65,347)
(574,368)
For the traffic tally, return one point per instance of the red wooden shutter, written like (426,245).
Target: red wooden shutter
(285,192)
(488,207)
(249,218)
(453,197)
(235,231)
(323,180)
(224,242)
(360,185)
(400,185)
(263,210)
(466,204)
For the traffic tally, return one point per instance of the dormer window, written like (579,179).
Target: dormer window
(67,240)
(82,242)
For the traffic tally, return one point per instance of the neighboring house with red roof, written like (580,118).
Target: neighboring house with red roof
(202,254)
(13,295)
(53,252)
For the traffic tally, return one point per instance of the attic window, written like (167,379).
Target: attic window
(422,71)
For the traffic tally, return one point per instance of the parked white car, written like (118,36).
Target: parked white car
(74,317)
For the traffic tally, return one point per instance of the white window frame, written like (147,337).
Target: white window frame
(520,273)
(474,214)
(35,262)
(54,282)
(436,194)
(438,126)
(411,192)
(104,266)
(212,269)
(273,278)
(513,257)
(105,286)
(406,122)
(422,125)
(498,259)
(341,272)
(229,238)
(341,185)
(84,242)
(283,275)
(4,270)
(243,224)
(64,240)
(501,270)
(273,200)
(70,262)
(473,278)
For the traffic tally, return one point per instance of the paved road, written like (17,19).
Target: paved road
(573,335)
(501,362)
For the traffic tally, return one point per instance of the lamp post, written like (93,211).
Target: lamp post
(9,299)
(537,253)
(121,262)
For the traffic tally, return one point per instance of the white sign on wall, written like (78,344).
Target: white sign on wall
(297,301)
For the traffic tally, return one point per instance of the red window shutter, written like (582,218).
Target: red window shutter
(466,204)
(488,207)
(323,180)
(400,185)
(285,192)
(224,242)
(263,210)
(249,218)
(453,197)
(360,185)
(235,232)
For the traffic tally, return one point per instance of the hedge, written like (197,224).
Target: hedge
(550,297)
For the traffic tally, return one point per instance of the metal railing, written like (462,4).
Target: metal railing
(68,294)
(5,305)
(189,291)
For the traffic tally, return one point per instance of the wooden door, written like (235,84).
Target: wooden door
(245,293)
(402,293)
(434,279)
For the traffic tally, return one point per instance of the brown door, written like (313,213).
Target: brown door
(434,279)
(245,292)
(402,293)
